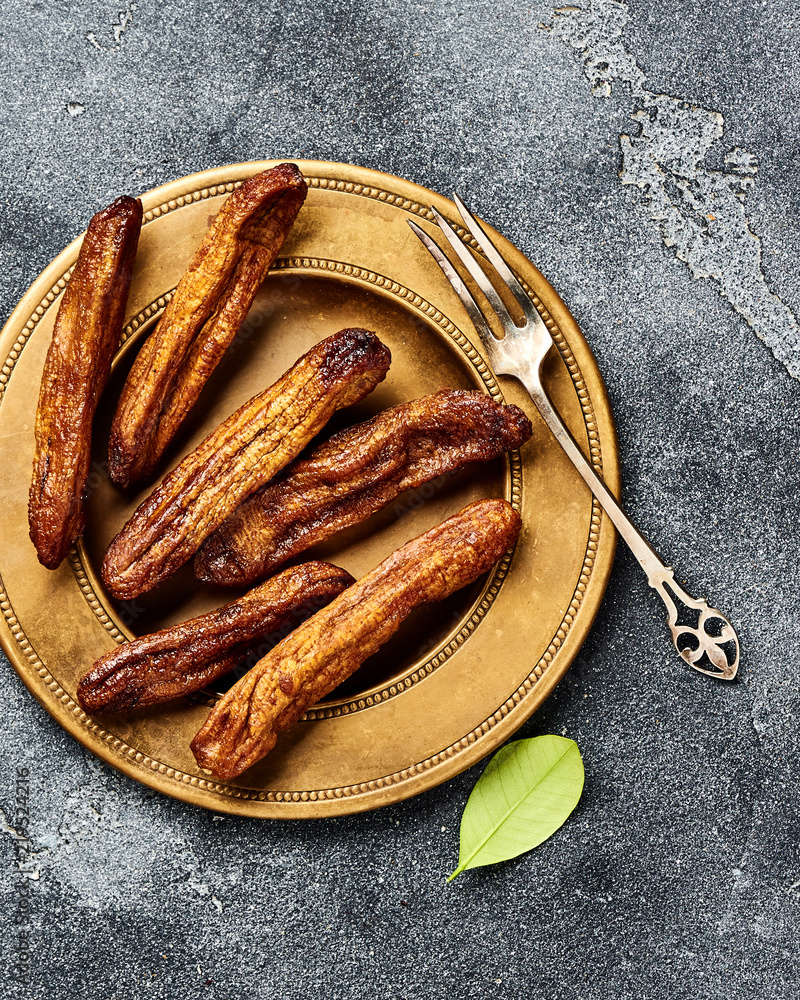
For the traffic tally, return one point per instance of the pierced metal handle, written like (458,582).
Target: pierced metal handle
(710,655)
(694,641)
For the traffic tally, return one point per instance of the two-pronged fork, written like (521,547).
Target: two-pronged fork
(703,636)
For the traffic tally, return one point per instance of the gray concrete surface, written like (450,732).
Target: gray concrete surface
(601,140)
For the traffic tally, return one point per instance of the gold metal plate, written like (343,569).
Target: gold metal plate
(461,676)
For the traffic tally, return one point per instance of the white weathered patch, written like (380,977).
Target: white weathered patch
(700,211)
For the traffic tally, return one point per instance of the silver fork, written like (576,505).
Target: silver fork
(520,353)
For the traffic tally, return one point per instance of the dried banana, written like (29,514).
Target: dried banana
(321,653)
(178,660)
(354,474)
(209,305)
(86,333)
(240,456)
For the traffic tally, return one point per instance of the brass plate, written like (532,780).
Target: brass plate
(461,677)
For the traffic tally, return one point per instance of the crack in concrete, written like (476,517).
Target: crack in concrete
(700,211)
(118,29)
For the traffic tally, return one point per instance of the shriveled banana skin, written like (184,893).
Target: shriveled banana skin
(187,657)
(240,456)
(86,334)
(354,474)
(244,725)
(208,307)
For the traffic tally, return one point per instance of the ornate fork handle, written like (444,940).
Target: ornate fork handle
(692,641)
(713,646)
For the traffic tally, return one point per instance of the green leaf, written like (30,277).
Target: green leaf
(525,794)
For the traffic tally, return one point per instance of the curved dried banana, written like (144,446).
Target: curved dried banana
(86,334)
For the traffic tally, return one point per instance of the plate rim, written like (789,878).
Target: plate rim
(408,196)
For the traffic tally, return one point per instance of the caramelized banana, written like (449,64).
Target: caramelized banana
(240,456)
(325,650)
(187,657)
(208,307)
(354,474)
(86,333)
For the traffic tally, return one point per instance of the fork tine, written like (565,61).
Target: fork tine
(496,260)
(459,287)
(476,271)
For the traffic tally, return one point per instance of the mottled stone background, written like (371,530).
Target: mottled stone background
(645,155)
